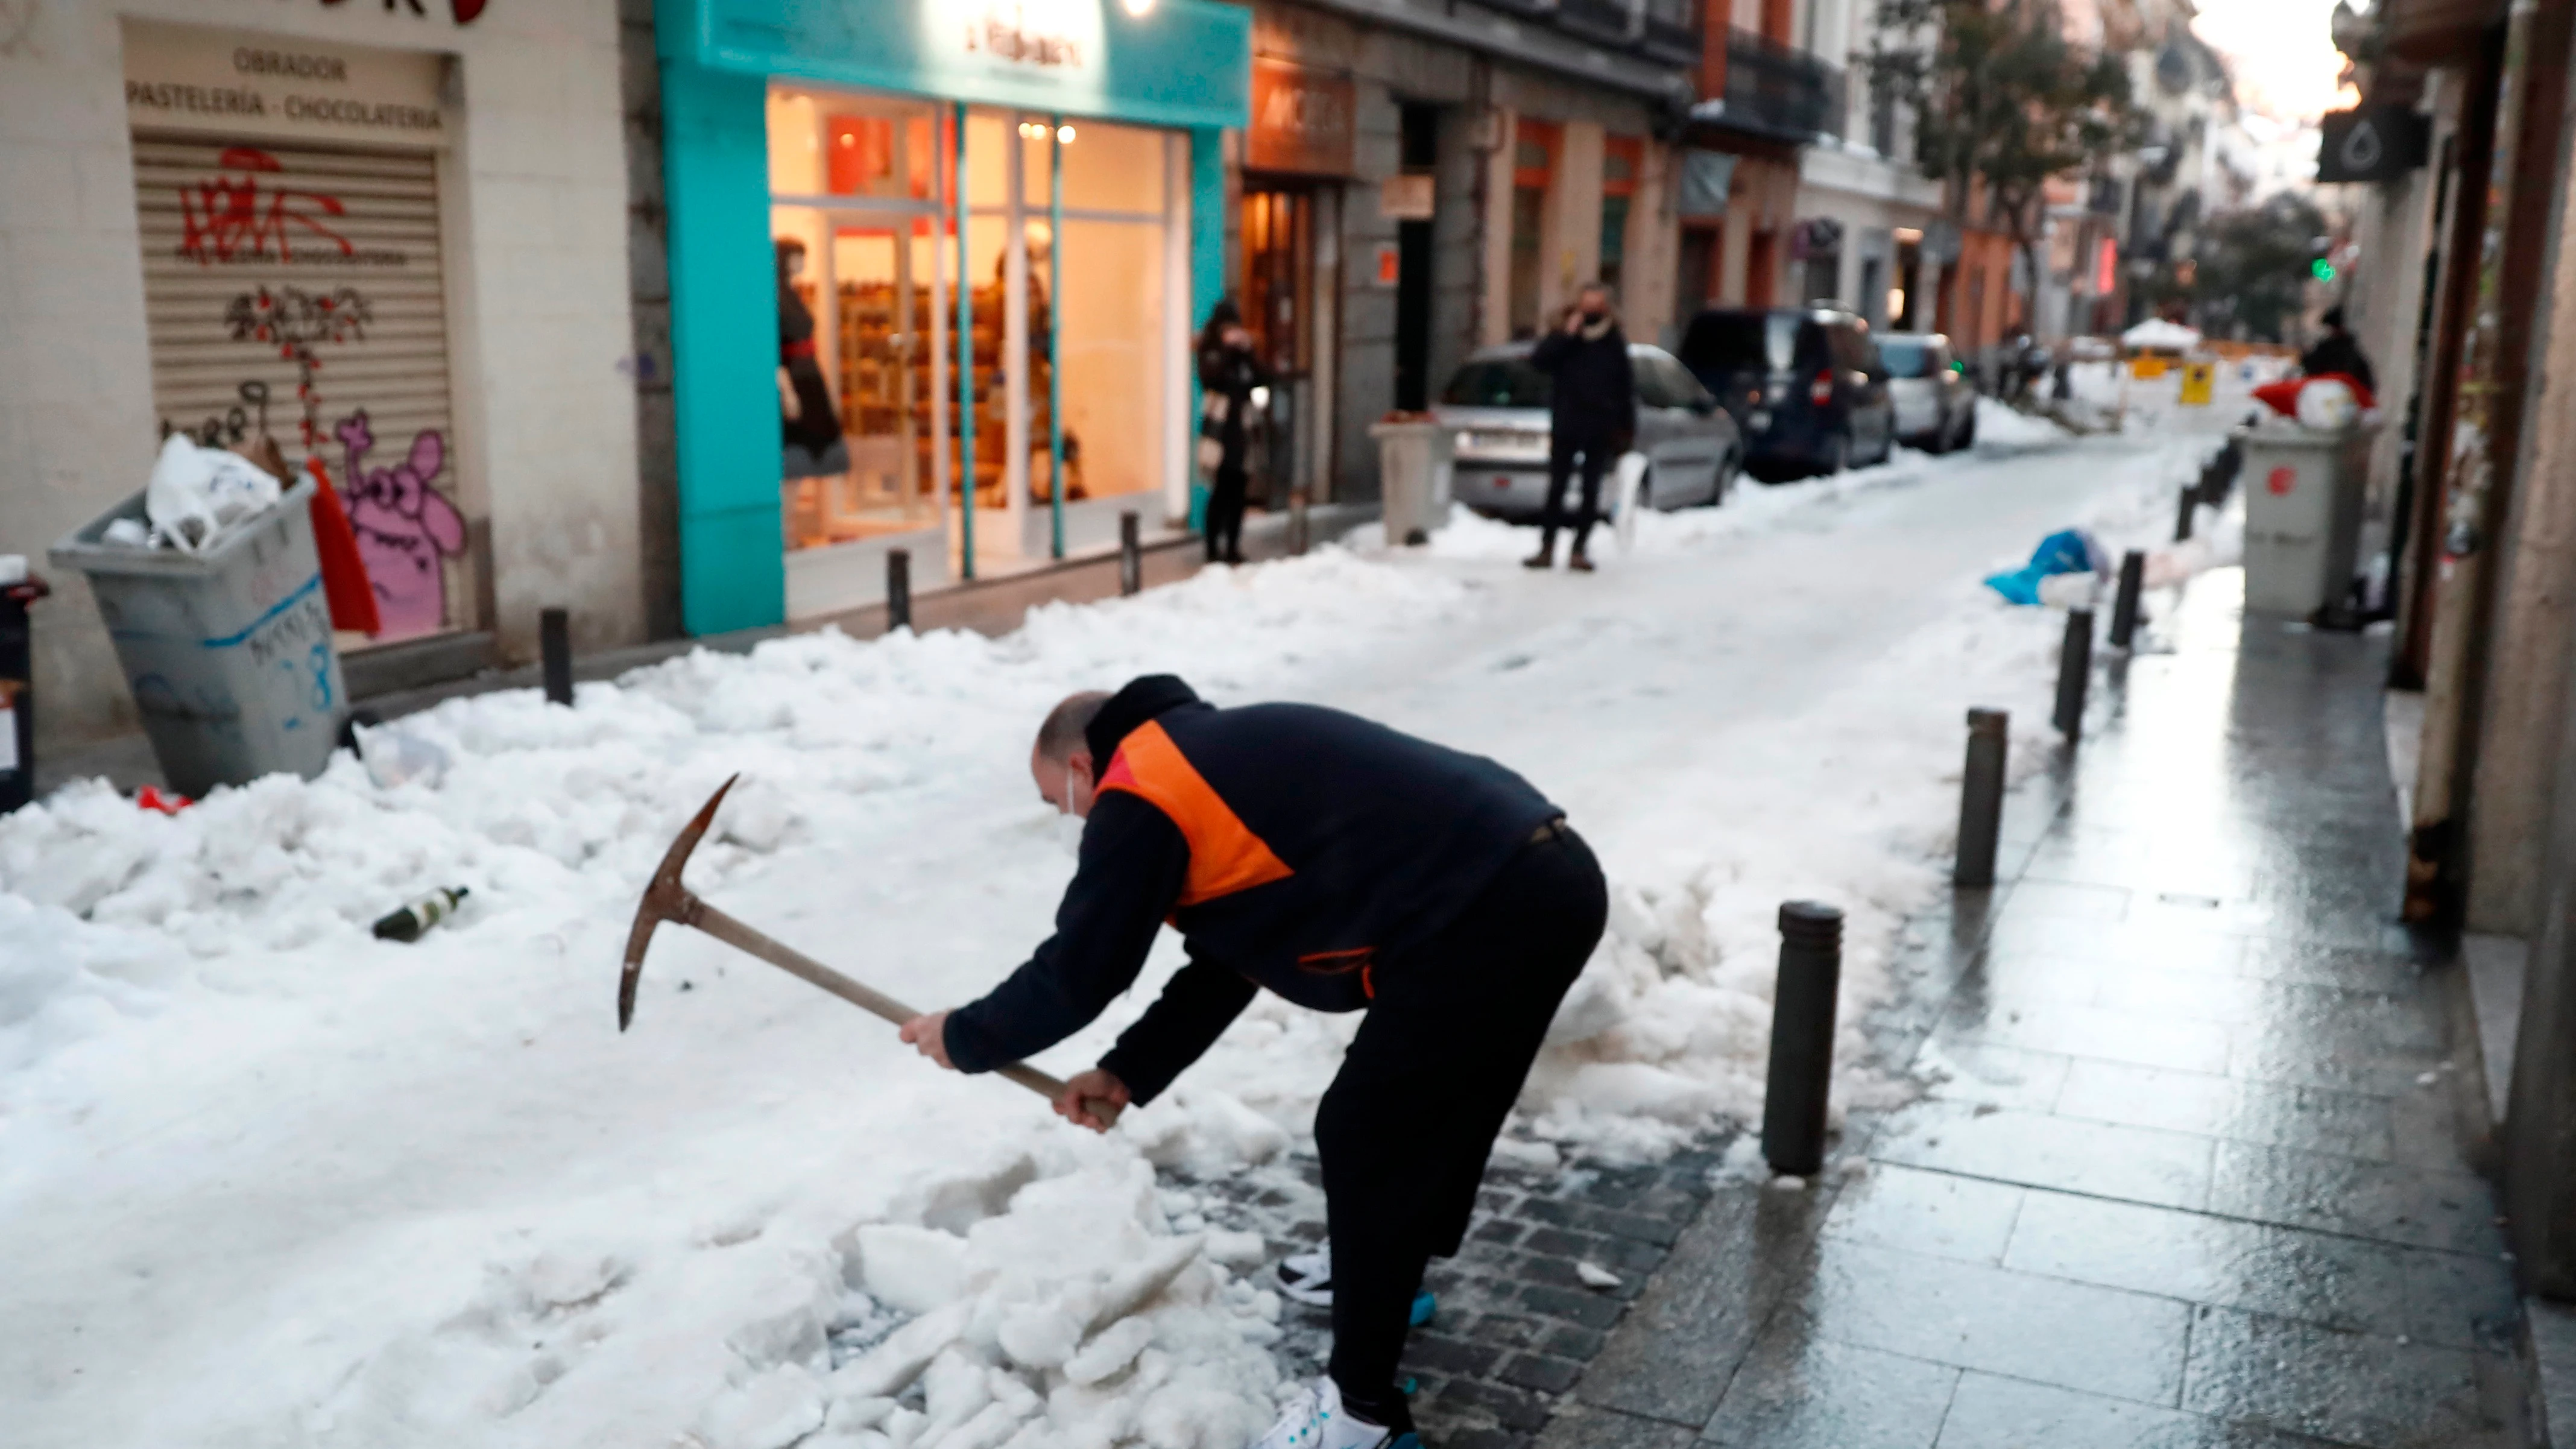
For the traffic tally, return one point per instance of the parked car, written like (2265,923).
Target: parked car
(1804,384)
(1498,403)
(1936,404)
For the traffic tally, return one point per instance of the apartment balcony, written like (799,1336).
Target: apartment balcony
(1533,9)
(1603,22)
(1664,31)
(1672,32)
(1777,91)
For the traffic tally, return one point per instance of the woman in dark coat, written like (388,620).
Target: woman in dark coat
(1228,372)
(809,426)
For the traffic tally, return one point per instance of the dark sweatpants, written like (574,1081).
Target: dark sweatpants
(1225,511)
(1596,455)
(1412,1115)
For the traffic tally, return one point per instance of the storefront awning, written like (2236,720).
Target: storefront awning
(1178,63)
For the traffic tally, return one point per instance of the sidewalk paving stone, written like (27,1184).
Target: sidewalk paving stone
(1796,1388)
(2352,1387)
(2076,1335)
(2038,1149)
(1992,1412)
(2349,1124)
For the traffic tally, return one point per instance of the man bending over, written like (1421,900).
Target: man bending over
(1347,867)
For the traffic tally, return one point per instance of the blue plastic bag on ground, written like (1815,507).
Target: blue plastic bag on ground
(2068,551)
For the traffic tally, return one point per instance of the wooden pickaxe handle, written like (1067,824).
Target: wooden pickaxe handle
(796,963)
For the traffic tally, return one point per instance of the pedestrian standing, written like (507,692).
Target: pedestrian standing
(1346,867)
(809,427)
(2338,354)
(1228,372)
(1592,414)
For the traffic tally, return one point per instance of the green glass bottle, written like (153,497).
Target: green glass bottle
(409,923)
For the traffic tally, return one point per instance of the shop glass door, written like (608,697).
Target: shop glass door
(857,186)
(1278,292)
(864,188)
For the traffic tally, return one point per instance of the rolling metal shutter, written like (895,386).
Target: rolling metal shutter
(291,289)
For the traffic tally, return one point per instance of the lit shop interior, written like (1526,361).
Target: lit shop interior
(1069,269)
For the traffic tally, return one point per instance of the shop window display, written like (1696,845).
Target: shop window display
(866,186)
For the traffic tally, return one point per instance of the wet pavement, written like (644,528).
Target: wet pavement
(2192,1166)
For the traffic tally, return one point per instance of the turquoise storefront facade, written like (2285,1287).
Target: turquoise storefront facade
(1179,64)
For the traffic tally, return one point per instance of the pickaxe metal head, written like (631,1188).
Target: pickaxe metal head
(665,899)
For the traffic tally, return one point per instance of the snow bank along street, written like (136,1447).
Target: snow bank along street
(266,1180)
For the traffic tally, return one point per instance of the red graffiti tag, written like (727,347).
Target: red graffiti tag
(232,214)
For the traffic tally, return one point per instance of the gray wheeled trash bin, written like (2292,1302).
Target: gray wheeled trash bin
(2303,495)
(228,652)
(1414,456)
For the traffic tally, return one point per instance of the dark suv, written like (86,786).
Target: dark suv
(1805,384)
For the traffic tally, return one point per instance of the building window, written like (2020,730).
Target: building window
(1533,172)
(1622,158)
(1882,120)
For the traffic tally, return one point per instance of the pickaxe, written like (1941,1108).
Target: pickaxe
(668,900)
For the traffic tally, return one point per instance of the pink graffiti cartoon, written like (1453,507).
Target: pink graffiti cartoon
(404,528)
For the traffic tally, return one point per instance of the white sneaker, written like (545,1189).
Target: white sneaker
(1315,1419)
(1308,1277)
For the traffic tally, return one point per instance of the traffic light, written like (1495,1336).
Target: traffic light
(2321,269)
(2321,259)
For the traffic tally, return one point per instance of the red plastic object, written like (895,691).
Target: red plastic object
(2283,397)
(168,802)
(344,573)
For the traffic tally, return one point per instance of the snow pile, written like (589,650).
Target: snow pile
(1751,508)
(318,1189)
(2156,332)
(1999,425)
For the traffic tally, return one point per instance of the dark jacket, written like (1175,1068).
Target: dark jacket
(1231,373)
(2337,352)
(818,425)
(1595,391)
(1295,847)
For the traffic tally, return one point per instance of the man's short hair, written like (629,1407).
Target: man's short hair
(1062,734)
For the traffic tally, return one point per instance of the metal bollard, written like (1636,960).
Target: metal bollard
(1131,555)
(2124,604)
(554,644)
(898,589)
(1981,799)
(1802,1038)
(2183,511)
(2074,672)
(1300,537)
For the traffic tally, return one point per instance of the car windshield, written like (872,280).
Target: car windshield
(1727,341)
(1499,382)
(1904,356)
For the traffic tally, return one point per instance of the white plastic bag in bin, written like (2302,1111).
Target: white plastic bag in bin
(198,493)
